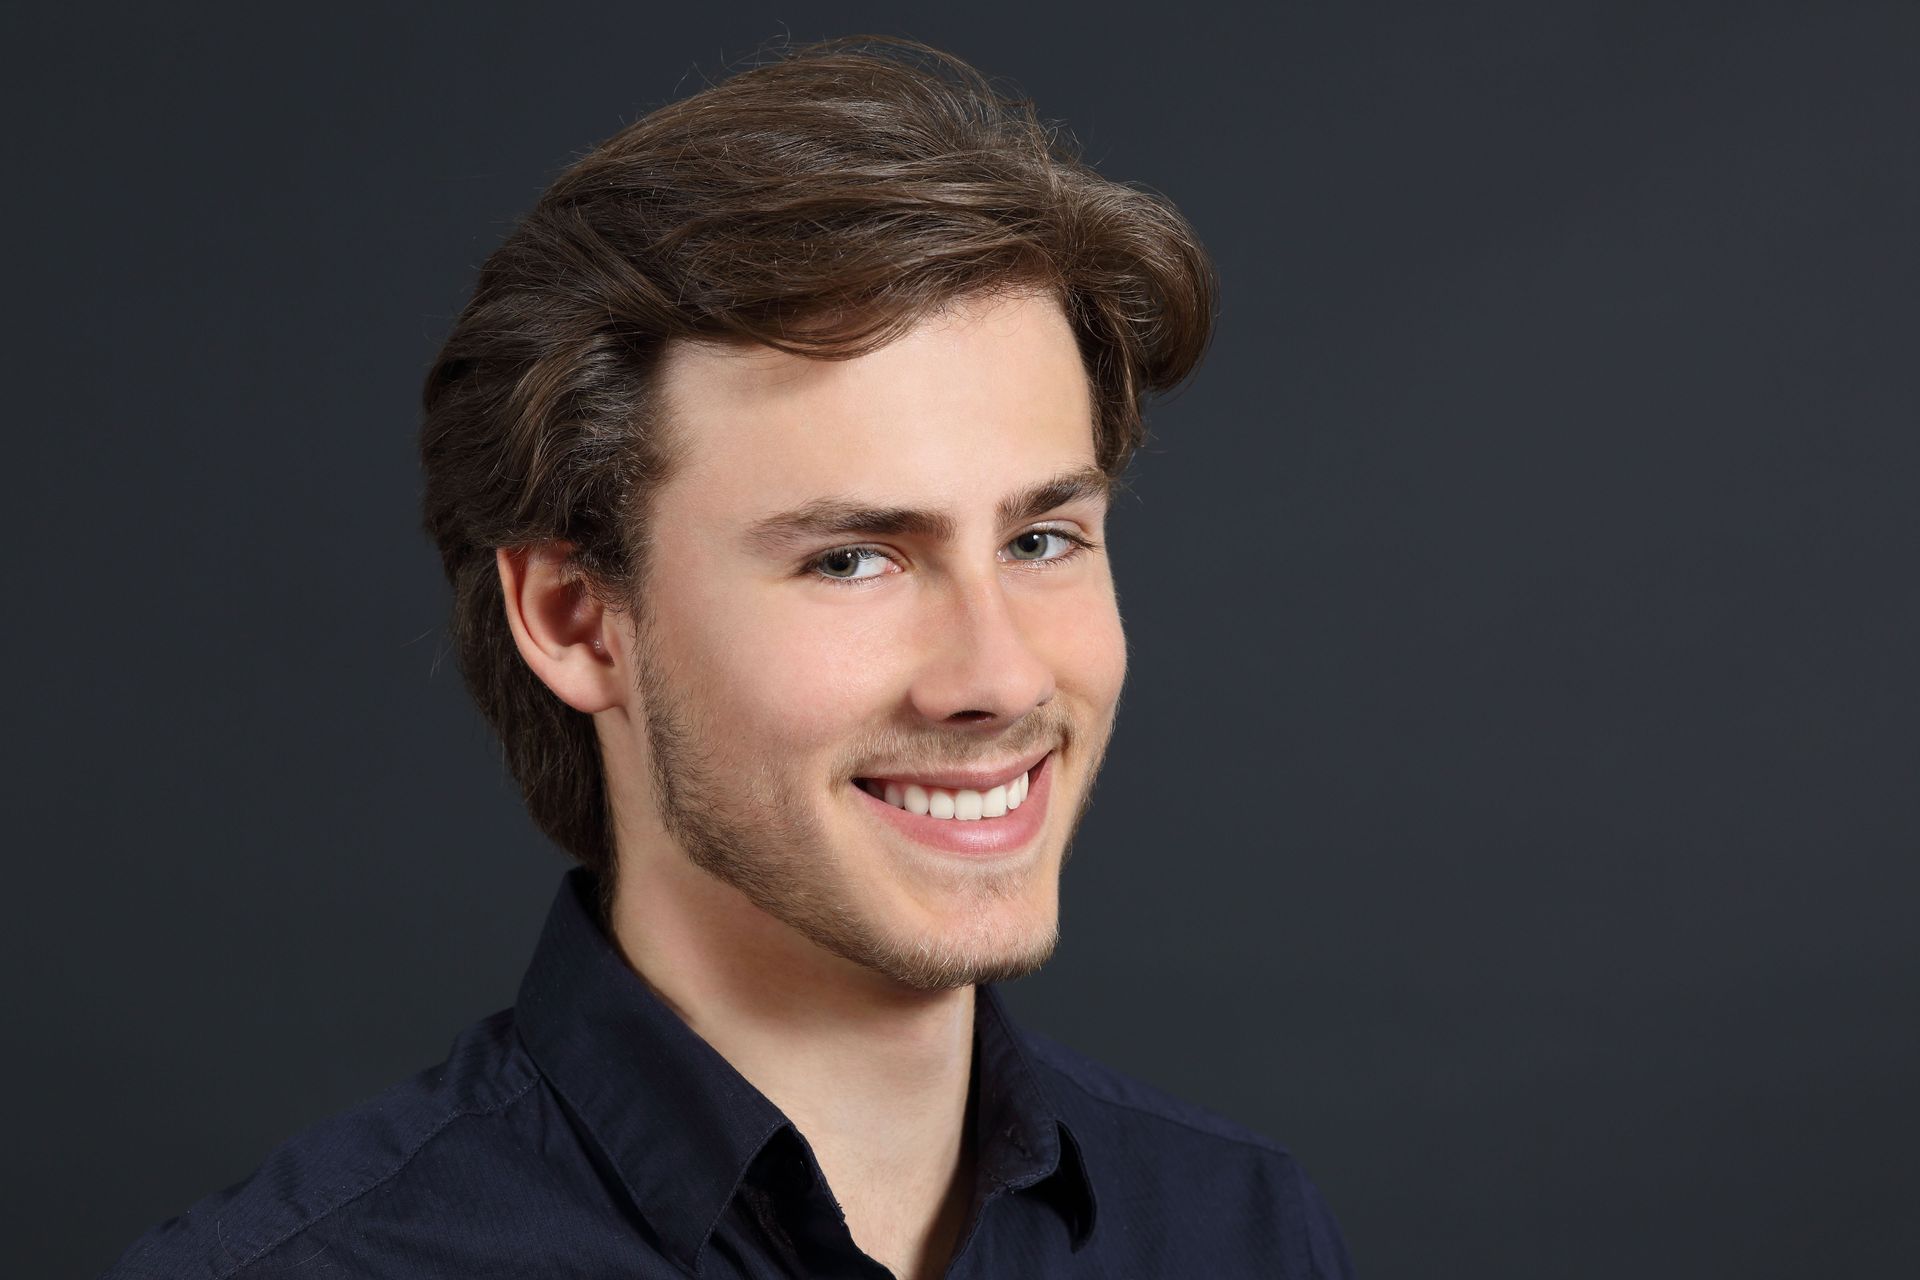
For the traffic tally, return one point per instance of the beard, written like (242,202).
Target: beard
(762,833)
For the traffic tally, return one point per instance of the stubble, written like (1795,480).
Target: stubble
(747,829)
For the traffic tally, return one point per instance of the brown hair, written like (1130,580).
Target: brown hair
(822,204)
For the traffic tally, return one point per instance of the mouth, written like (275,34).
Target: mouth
(960,804)
(1000,818)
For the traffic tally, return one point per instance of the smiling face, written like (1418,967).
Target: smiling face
(881,579)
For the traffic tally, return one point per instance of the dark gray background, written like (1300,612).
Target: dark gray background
(1513,804)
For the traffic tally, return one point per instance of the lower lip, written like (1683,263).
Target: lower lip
(980,836)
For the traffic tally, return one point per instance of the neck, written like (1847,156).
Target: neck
(873,1074)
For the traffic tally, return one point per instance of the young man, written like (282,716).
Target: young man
(770,464)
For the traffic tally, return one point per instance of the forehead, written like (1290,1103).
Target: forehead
(967,405)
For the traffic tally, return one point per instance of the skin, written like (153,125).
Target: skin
(830,959)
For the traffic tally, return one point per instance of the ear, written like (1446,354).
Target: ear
(563,632)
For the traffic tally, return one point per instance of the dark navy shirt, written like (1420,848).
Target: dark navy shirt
(589,1132)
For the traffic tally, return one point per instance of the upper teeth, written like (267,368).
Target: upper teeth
(964,804)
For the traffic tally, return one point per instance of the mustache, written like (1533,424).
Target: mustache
(920,754)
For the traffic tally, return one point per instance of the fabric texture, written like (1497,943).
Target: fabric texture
(589,1132)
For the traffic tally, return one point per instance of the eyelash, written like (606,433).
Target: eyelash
(1079,544)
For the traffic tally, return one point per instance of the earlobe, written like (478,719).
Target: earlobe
(557,624)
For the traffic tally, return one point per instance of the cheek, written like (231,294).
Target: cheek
(1088,647)
(793,674)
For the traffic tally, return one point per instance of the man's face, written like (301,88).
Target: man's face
(796,674)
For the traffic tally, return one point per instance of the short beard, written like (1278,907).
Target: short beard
(762,848)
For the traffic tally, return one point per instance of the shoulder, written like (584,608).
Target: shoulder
(1132,1105)
(1145,1148)
(342,1164)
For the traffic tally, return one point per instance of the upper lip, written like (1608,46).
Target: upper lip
(965,779)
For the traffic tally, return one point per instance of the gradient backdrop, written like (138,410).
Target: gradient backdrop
(1513,808)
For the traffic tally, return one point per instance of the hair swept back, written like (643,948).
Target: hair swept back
(822,204)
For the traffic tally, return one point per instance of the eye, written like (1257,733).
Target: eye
(842,564)
(1032,545)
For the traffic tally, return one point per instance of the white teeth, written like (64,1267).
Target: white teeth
(962,804)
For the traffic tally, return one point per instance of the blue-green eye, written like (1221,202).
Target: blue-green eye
(1039,536)
(841,563)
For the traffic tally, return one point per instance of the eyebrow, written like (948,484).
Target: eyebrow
(845,517)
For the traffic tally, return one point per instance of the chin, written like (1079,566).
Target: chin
(990,946)
(936,968)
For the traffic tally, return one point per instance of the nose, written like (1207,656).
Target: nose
(983,666)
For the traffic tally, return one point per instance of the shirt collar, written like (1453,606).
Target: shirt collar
(1023,1142)
(681,1127)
